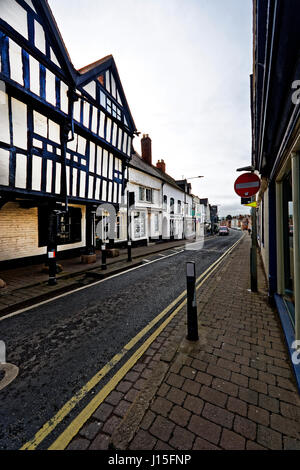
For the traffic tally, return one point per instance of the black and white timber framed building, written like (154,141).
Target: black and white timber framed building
(65,136)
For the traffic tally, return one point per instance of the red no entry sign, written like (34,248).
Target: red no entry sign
(247,184)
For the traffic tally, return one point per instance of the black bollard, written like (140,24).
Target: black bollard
(129,250)
(103,248)
(192,320)
(52,267)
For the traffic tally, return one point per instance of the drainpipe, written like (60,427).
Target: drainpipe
(296,238)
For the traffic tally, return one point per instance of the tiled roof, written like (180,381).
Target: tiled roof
(138,163)
(89,67)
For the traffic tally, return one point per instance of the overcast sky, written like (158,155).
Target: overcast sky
(185,68)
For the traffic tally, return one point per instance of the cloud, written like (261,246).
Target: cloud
(185,70)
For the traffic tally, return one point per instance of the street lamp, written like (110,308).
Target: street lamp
(193,177)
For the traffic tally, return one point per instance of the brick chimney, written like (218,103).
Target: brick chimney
(161,165)
(146,149)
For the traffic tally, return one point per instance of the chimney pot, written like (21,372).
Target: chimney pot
(161,165)
(146,149)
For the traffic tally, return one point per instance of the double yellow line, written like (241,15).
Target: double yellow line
(72,430)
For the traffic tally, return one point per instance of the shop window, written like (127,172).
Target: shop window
(68,226)
(139,224)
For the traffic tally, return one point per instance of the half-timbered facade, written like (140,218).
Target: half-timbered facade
(65,136)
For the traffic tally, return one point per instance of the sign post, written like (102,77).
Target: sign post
(246,186)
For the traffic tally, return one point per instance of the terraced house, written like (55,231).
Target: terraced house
(65,137)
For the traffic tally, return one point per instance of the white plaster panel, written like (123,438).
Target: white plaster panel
(129,146)
(50,88)
(53,57)
(94,119)
(21,170)
(90,88)
(36,172)
(115,192)
(63,97)
(99,160)
(91,182)
(114,134)
(16,64)
(4,167)
(15,16)
(76,113)
(104,164)
(107,82)
(125,142)
(110,166)
(86,114)
(40,125)
(39,37)
(104,184)
(92,157)
(34,74)
(74,182)
(108,129)
(54,131)
(109,191)
(102,99)
(19,121)
(120,139)
(101,125)
(113,86)
(97,190)
(72,144)
(119,99)
(37,143)
(82,183)
(49,176)
(57,177)
(68,179)
(4,121)
(81,145)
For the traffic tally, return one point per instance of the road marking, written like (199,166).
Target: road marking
(22,310)
(78,422)
(72,430)
(65,438)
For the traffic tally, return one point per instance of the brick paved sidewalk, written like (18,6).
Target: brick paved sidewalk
(233,389)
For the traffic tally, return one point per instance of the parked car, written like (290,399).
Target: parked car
(223,230)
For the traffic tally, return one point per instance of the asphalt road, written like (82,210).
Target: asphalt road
(60,345)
